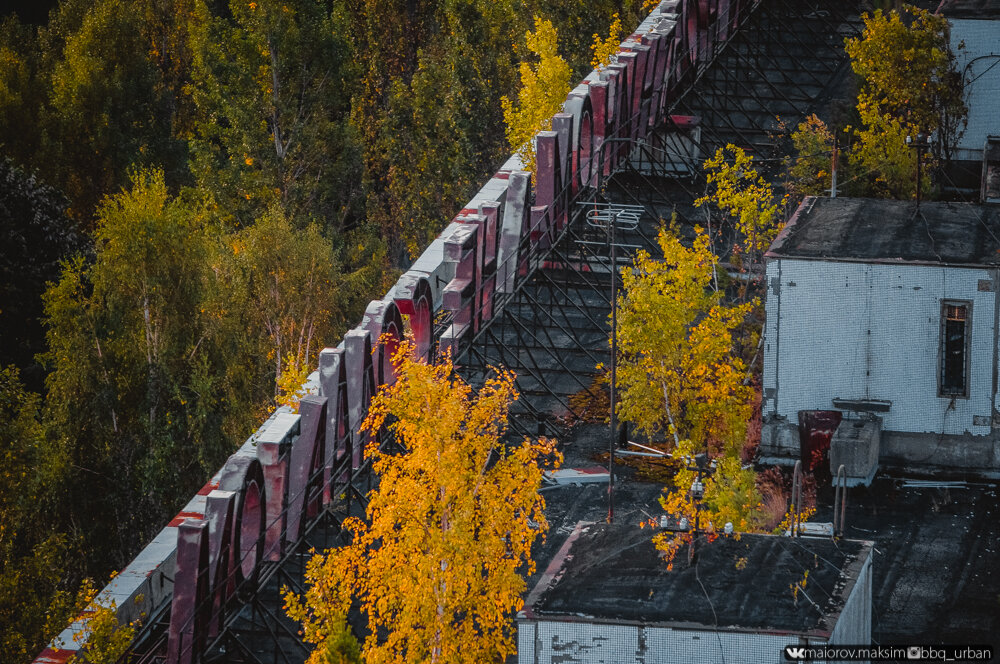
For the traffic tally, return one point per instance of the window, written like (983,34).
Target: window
(954,379)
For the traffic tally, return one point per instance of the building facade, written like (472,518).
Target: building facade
(881,310)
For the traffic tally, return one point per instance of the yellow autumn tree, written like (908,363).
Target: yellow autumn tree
(738,190)
(437,565)
(544,87)
(883,158)
(730,496)
(677,372)
(604,49)
(105,640)
(907,70)
(908,85)
(810,170)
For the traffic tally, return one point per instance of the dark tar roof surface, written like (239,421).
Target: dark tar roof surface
(983,9)
(875,230)
(615,573)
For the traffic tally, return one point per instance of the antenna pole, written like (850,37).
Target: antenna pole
(613,218)
(833,169)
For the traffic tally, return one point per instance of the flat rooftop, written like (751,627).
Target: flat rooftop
(934,561)
(615,573)
(982,9)
(884,231)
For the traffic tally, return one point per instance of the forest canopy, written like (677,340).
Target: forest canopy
(201,194)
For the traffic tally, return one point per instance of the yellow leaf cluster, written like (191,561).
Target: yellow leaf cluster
(677,372)
(810,170)
(291,386)
(105,640)
(544,87)
(605,49)
(743,194)
(731,496)
(436,566)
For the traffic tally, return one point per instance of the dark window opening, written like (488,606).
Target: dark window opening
(954,351)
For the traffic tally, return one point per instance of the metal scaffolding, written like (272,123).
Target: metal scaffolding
(553,328)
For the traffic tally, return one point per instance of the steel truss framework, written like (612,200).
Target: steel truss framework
(553,328)
(256,630)
(553,331)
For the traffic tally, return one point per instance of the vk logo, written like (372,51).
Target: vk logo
(792,653)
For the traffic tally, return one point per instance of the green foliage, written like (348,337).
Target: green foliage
(341,647)
(126,349)
(579,24)
(428,110)
(34,599)
(105,639)
(22,91)
(431,163)
(270,84)
(544,87)
(108,109)
(165,351)
(283,283)
(882,157)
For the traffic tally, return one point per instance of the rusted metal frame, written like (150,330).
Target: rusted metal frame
(524,414)
(818,30)
(693,162)
(252,588)
(571,334)
(746,18)
(275,620)
(279,569)
(789,61)
(254,629)
(246,652)
(267,571)
(293,583)
(563,257)
(534,259)
(649,206)
(514,423)
(633,197)
(745,93)
(514,351)
(143,650)
(505,352)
